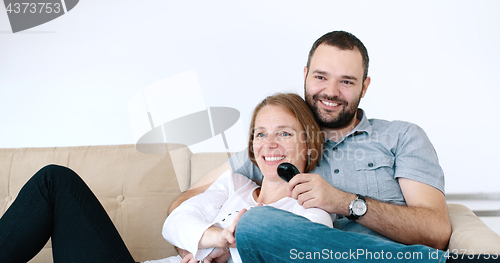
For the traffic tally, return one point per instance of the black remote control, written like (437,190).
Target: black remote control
(287,171)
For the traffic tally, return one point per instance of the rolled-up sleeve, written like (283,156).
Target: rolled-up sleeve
(416,158)
(185,226)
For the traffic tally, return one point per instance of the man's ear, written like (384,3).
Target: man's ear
(305,72)
(366,83)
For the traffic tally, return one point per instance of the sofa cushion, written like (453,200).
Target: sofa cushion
(136,189)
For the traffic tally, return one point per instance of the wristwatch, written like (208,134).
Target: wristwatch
(357,208)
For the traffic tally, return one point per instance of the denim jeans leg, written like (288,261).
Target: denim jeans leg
(266,234)
(56,203)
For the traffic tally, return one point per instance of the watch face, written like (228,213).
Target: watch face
(359,208)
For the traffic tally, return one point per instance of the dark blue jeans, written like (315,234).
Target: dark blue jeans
(56,203)
(266,234)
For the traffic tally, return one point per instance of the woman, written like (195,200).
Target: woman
(282,130)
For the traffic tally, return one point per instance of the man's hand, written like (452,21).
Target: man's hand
(182,252)
(311,190)
(188,258)
(218,255)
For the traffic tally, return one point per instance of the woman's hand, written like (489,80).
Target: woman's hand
(218,237)
(226,236)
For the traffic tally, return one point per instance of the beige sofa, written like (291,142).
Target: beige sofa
(136,190)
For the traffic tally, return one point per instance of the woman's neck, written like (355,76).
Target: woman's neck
(271,191)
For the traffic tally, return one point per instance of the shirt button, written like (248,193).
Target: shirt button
(370,165)
(336,171)
(335,149)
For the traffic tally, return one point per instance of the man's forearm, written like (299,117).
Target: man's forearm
(423,220)
(201,185)
(408,224)
(186,195)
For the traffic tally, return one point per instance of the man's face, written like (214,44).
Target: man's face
(334,85)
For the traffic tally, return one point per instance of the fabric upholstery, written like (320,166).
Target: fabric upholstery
(136,189)
(470,233)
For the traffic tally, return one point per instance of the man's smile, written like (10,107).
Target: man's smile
(328,103)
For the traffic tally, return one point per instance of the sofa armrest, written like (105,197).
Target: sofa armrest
(469,234)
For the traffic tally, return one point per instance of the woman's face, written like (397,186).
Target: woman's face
(278,138)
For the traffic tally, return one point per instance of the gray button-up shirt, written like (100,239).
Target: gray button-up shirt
(368,161)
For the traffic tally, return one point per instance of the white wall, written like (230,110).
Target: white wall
(68,82)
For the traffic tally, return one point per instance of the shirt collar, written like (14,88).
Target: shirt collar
(362,127)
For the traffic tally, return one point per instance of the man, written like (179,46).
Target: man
(380,178)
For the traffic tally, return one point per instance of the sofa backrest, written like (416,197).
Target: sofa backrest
(202,163)
(136,189)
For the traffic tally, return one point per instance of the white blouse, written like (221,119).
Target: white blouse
(218,206)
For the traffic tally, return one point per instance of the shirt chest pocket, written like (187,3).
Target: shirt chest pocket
(376,177)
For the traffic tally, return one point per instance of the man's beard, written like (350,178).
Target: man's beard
(343,119)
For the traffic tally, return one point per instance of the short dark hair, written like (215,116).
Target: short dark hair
(344,41)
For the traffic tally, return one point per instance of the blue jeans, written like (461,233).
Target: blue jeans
(266,234)
(56,203)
